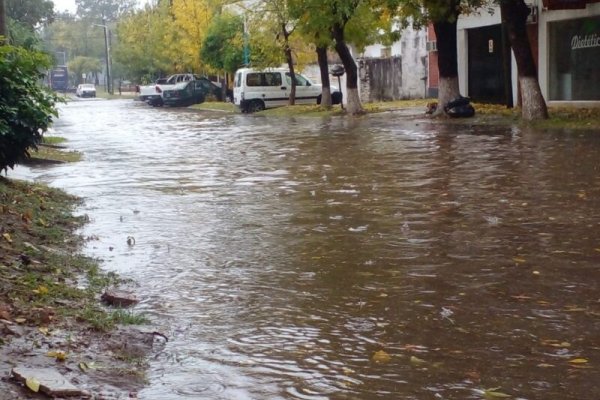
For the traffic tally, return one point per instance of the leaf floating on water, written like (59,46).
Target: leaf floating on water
(381,357)
(348,371)
(579,361)
(417,361)
(495,394)
(33,384)
(518,260)
(545,365)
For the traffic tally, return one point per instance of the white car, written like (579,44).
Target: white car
(85,90)
(255,90)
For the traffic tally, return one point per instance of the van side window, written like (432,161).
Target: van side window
(272,79)
(253,80)
(300,80)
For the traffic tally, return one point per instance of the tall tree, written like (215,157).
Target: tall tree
(514,16)
(222,48)
(285,26)
(444,26)
(343,23)
(147,46)
(342,14)
(108,10)
(314,25)
(324,72)
(3,27)
(30,12)
(192,18)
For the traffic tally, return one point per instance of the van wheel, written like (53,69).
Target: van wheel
(256,105)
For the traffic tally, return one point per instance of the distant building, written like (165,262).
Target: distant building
(395,72)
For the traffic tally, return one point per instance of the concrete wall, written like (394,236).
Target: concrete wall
(380,79)
(395,72)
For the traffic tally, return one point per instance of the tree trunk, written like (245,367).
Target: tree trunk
(354,105)
(290,62)
(324,69)
(514,15)
(445,33)
(3,23)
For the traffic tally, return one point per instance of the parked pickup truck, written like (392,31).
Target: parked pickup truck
(152,94)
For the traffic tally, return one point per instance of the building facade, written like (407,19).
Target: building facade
(565,41)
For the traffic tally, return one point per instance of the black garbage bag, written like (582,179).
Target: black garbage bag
(465,111)
(460,107)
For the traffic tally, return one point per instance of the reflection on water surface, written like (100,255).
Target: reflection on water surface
(371,258)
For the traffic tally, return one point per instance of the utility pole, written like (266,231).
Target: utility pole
(109,87)
(246,50)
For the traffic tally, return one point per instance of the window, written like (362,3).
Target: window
(574,51)
(272,79)
(300,80)
(263,79)
(253,80)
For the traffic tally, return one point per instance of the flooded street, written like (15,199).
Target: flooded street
(369,258)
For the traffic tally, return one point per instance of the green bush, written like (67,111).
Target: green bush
(27,108)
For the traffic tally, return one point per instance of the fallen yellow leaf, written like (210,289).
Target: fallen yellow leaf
(44,330)
(518,260)
(7,237)
(58,354)
(41,290)
(33,384)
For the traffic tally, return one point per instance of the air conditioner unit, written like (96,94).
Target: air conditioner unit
(431,45)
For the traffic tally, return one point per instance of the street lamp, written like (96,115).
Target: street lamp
(108,76)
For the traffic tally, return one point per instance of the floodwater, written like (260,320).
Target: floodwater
(370,258)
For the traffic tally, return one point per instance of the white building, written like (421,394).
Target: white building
(565,40)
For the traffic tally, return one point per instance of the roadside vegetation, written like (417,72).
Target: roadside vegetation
(49,305)
(40,264)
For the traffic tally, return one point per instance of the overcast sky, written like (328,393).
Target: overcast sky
(62,5)
(69,5)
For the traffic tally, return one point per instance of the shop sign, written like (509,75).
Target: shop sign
(585,41)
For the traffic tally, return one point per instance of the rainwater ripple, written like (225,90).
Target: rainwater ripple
(345,258)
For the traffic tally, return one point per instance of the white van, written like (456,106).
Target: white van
(255,90)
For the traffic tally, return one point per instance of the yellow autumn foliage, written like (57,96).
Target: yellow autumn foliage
(192,19)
